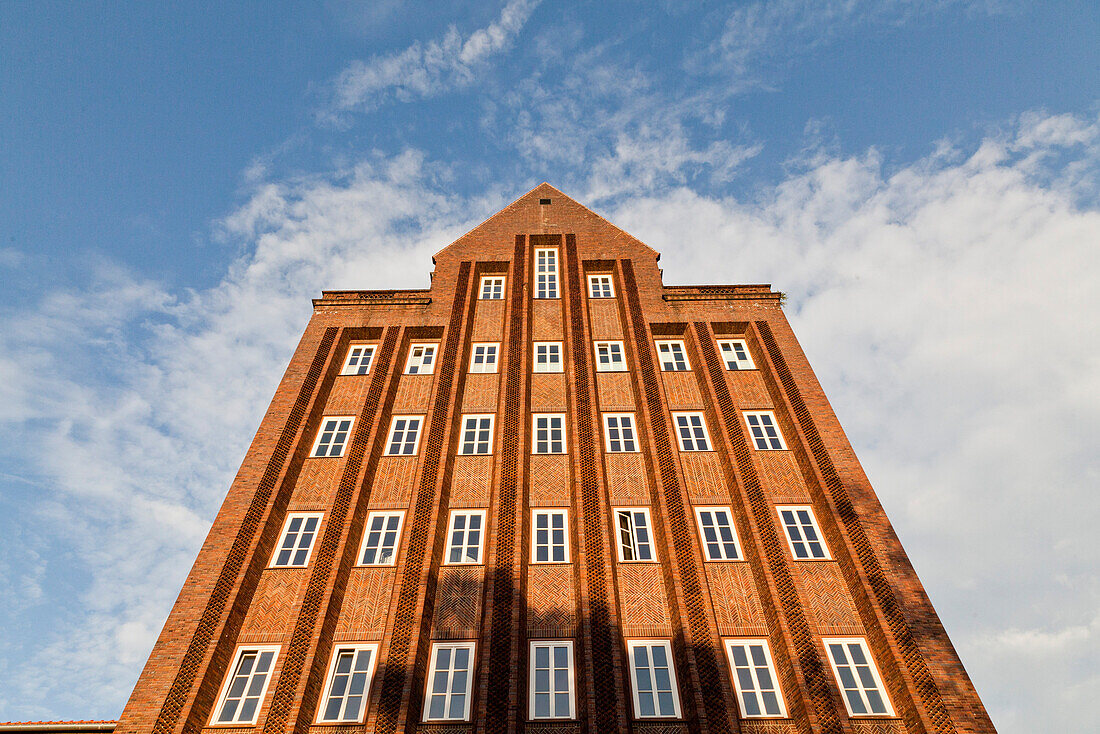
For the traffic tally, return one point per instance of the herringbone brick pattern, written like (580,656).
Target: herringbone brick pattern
(471,481)
(704,479)
(366,604)
(546,321)
(488,321)
(643,601)
(894,726)
(614,391)
(316,484)
(627,484)
(780,477)
(348,394)
(413,394)
(272,610)
(826,596)
(551,601)
(481,393)
(750,726)
(548,392)
(549,481)
(458,602)
(748,388)
(736,603)
(682,391)
(393,482)
(603,316)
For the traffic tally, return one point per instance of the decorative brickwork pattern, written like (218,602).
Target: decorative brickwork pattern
(471,481)
(603,315)
(488,321)
(548,392)
(627,483)
(546,320)
(481,393)
(614,390)
(316,484)
(826,596)
(736,604)
(458,602)
(414,394)
(642,601)
(348,394)
(882,726)
(750,726)
(551,603)
(366,604)
(682,391)
(749,390)
(780,478)
(277,595)
(703,478)
(669,728)
(550,481)
(393,481)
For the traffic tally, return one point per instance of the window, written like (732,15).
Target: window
(619,432)
(548,538)
(465,537)
(348,686)
(599,286)
(672,355)
(548,357)
(691,430)
(754,676)
(381,539)
(719,536)
(765,434)
(245,686)
(359,359)
(803,535)
(484,357)
(492,287)
(298,533)
(635,542)
(421,359)
(551,680)
(477,434)
(610,357)
(404,435)
(549,429)
(735,353)
(858,678)
(653,679)
(546,273)
(449,681)
(332,437)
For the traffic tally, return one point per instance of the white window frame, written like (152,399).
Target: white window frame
(486,367)
(404,436)
(861,687)
(465,539)
(230,674)
(477,417)
(634,544)
(548,367)
(667,645)
(801,526)
(490,285)
(546,282)
(338,649)
(414,364)
(671,345)
(326,422)
(601,285)
(722,555)
(768,441)
(305,517)
(550,432)
(694,439)
(727,350)
(620,428)
(551,644)
(470,647)
(611,366)
(366,353)
(752,671)
(385,515)
(550,512)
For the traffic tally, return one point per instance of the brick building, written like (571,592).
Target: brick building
(552,494)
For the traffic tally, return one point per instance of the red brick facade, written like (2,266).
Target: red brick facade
(867,590)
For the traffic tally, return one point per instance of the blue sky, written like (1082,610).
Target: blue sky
(922,179)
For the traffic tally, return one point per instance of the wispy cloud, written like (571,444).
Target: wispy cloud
(426,69)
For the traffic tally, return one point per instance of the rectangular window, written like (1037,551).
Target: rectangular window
(348,686)
(549,430)
(404,435)
(635,540)
(735,353)
(483,357)
(245,685)
(619,433)
(691,431)
(299,532)
(546,273)
(450,677)
(332,437)
(803,534)
(857,676)
(421,359)
(758,692)
(477,434)
(765,433)
(719,536)
(548,357)
(653,679)
(610,357)
(464,538)
(549,543)
(599,286)
(381,539)
(359,359)
(673,356)
(492,287)
(551,680)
